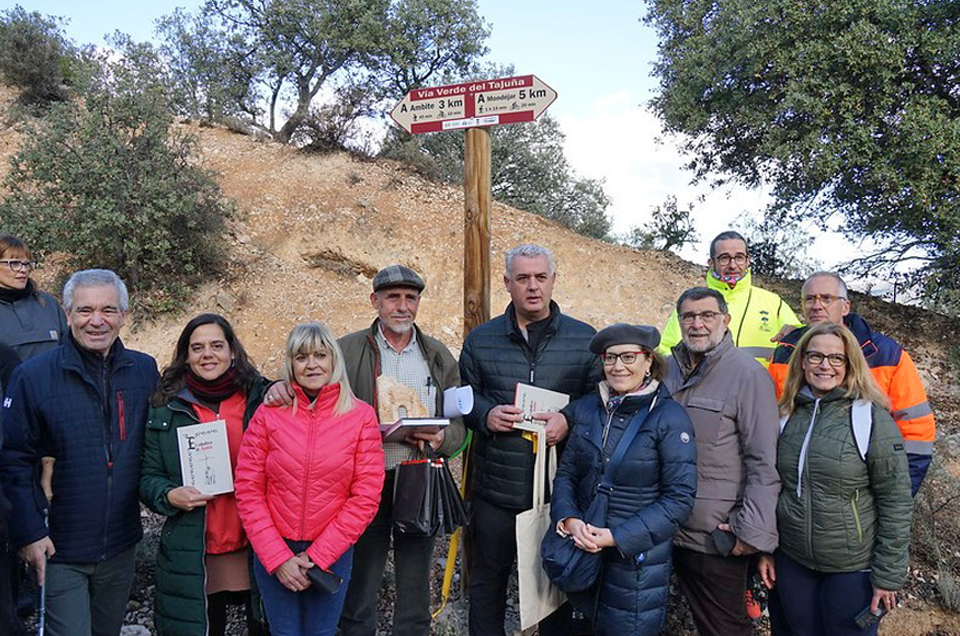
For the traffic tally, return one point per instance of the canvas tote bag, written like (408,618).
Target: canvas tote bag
(538,596)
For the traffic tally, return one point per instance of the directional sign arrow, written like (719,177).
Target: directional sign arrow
(482,103)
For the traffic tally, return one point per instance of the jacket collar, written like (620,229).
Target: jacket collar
(72,357)
(689,372)
(372,339)
(326,399)
(513,330)
(805,395)
(742,288)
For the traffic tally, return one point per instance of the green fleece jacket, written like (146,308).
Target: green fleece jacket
(837,512)
(362,357)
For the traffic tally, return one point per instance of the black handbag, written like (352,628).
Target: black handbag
(415,498)
(426,499)
(570,568)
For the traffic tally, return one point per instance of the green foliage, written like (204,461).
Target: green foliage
(426,39)
(850,109)
(778,248)
(528,171)
(108,182)
(35,55)
(669,228)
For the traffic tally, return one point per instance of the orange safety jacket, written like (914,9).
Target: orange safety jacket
(894,371)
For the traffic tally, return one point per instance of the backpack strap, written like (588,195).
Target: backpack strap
(861,420)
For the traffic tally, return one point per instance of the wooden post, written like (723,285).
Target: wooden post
(476,229)
(476,273)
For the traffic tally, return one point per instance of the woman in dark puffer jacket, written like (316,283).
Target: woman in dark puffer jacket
(203,562)
(653,489)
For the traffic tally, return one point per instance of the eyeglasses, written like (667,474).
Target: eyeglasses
(740,259)
(16,266)
(825,299)
(626,357)
(689,317)
(835,360)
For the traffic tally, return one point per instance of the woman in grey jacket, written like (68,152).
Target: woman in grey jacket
(844,510)
(31,321)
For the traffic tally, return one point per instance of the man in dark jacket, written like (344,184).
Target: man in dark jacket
(84,404)
(533,343)
(9,622)
(729,398)
(395,347)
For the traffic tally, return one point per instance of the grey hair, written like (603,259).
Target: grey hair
(313,337)
(729,235)
(527,251)
(841,286)
(95,278)
(699,293)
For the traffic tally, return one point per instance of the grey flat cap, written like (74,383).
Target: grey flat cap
(397,276)
(621,333)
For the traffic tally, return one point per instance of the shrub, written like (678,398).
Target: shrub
(34,55)
(110,183)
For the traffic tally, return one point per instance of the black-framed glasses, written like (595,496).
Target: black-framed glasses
(824,299)
(626,357)
(17,265)
(740,259)
(835,360)
(689,317)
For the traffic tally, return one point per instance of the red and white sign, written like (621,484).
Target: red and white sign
(482,103)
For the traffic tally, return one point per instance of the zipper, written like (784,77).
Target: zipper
(122,417)
(306,472)
(804,493)
(108,451)
(856,514)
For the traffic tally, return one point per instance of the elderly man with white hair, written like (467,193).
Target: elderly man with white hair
(84,404)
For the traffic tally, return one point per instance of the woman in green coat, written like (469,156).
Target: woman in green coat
(844,510)
(203,562)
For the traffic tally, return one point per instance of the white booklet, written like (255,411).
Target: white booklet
(457,401)
(205,457)
(532,399)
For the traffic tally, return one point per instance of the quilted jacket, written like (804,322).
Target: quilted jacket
(652,495)
(306,473)
(495,357)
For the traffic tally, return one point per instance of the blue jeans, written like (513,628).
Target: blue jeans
(812,603)
(307,613)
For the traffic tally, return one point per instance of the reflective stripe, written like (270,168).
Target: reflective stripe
(918,448)
(760,352)
(913,412)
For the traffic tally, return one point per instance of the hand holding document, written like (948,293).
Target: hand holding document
(205,457)
(532,399)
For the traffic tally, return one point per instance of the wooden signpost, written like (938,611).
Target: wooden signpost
(474,106)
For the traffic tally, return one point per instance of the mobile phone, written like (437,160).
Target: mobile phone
(326,581)
(723,541)
(867,618)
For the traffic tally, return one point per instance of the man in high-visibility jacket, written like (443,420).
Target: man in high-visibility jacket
(825,299)
(757,316)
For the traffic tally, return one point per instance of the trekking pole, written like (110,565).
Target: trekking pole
(42,620)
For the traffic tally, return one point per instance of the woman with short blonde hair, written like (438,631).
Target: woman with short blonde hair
(308,484)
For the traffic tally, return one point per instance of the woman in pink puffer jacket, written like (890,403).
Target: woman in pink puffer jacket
(308,483)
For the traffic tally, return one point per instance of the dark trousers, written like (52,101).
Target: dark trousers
(217,612)
(89,598)
(714,587)
(493,532)
(815,603)
(311,612)
(412,557)
(9,621)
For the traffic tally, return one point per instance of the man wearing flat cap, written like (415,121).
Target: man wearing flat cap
(535,343)
(394,346)
(730,399)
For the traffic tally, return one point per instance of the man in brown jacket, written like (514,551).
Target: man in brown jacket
(730,399)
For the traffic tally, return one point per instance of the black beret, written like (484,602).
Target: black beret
(621,333)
